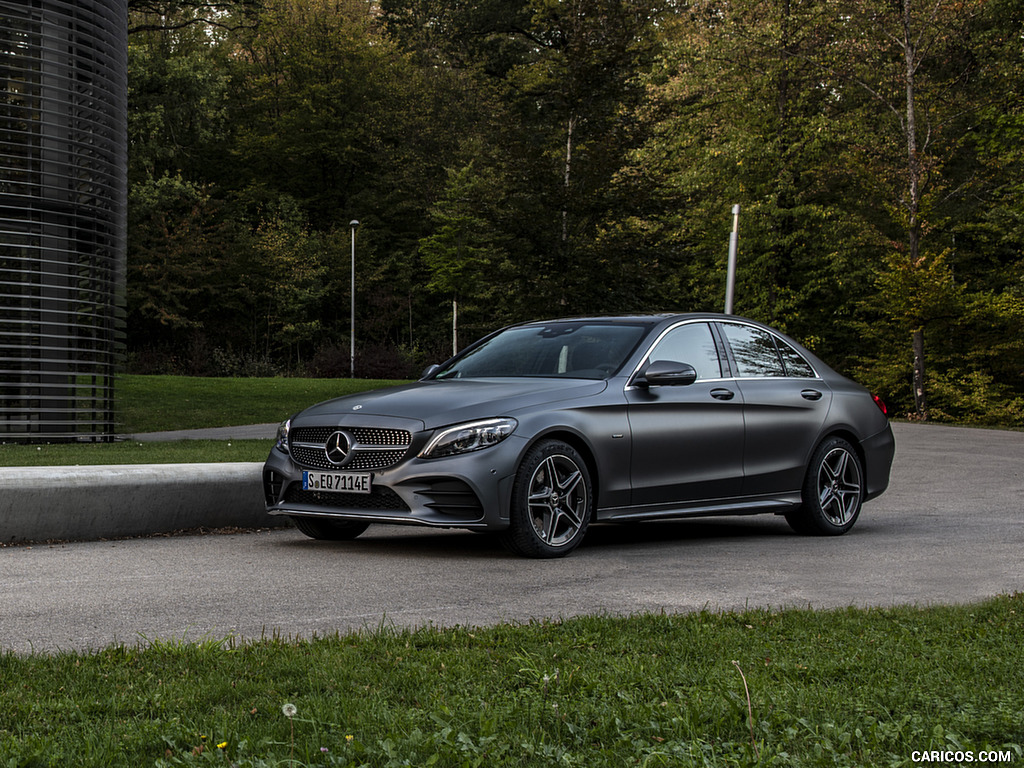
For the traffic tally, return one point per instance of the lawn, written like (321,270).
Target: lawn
(160,403)
(835,688)
(133,452)
(165,403)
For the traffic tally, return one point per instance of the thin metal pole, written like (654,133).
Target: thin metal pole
(455,327)
(352,323)
(734,238)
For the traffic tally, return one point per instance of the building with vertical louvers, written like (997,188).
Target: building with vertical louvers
(63,70)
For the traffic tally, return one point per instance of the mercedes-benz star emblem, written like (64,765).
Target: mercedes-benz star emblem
(338,447)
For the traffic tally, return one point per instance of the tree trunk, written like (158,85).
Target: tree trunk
(913,201)
(567,180)
(566,183)
(920,396)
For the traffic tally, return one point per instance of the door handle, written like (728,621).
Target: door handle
(723,394)
(811,394)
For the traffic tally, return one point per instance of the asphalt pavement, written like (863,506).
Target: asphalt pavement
(950,529)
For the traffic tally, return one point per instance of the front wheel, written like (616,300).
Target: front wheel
(552,501)
(833,491)
(329,530)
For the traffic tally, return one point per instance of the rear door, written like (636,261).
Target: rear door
(785,405)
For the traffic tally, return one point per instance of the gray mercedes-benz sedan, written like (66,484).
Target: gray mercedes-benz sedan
(540,429)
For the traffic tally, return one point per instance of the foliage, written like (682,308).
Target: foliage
(465,256)
(544,157)
(738,116)
(786,688)
(178,274)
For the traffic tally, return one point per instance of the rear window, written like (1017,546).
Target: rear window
(796,365)
(754,351)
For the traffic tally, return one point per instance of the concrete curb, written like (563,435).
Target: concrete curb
(81,503)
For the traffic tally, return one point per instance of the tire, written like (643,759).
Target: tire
(833,491)
(552,502)
(329,530)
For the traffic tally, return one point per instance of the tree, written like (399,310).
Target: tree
(466,254)
(913,64)
(179,91)
(561,80)
(338,119)
(173,15)
(737,114)
(183,254)
(180,279)
(540,157)
(291,283)
(576,92)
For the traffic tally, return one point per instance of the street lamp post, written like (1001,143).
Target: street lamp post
(352,324)
(730,280)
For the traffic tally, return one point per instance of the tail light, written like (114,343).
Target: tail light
(881,405)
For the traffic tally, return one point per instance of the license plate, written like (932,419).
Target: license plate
(336,482)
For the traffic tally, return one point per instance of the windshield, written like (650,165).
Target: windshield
(575,350)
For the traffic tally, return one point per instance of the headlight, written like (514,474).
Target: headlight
(464,438)
(282,436)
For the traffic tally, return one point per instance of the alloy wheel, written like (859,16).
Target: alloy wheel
(557,500)
(839,486)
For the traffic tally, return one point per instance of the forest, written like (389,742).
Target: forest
(510,160)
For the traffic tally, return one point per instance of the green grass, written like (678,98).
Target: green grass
(160,403)
(132,452)
(839,688)
(166,403)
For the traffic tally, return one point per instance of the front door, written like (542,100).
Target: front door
(687,440)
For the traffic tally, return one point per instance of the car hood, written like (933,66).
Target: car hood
(440,403)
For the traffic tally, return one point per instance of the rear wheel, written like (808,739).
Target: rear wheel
(552,500)
(330,530)
(833,491)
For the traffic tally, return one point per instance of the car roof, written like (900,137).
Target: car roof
(644,318)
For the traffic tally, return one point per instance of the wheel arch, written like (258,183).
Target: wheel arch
(849,436)
(582,446)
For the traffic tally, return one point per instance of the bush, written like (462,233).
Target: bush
(973,397)
(242,365)
(334,361)
(192,357)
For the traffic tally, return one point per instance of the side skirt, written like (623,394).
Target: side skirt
(778,505)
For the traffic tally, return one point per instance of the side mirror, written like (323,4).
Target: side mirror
(429,371)
(666,373)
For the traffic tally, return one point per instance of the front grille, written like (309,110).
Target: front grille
(362,460)
(367,460)
(372,448)
(362,435)
(311,457)
(380,500)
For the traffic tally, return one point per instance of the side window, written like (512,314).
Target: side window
(693,344)
(754,351)
(795,364)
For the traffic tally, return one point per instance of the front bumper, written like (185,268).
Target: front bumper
(472,490)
